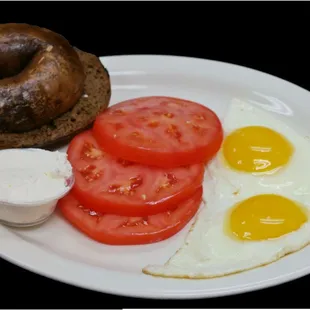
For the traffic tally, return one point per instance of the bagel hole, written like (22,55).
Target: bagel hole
(13,63)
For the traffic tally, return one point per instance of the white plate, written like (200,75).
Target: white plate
(58,251)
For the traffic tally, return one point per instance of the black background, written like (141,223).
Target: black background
(271,37)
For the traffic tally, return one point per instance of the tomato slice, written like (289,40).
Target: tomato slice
(111,185)
(122,230)
(160,131)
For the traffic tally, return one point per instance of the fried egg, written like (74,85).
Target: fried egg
(257,200)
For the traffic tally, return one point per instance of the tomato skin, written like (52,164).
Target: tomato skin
(109,229)
(145,156)
(162,154)
(145,200)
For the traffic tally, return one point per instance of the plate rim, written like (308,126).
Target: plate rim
(179,296)
(173,294)
(214,61)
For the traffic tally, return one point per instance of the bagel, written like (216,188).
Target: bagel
(45,113)
(42,77)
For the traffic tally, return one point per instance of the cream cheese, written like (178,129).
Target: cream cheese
(31,182)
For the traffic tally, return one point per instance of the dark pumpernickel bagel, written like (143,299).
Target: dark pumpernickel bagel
(41,77)
(96,98)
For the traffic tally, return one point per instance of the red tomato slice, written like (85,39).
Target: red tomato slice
(160,131)
(116,186)
(122,230)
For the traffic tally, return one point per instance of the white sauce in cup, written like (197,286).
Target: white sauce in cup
(31,183)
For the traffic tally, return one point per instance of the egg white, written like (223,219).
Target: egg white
(208,250)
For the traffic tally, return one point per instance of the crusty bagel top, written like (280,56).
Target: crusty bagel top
(41,77)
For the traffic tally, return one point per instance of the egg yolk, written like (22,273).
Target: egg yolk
(256,149)
(265,217)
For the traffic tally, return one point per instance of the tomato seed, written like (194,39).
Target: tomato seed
(169,115)
(174,132)
(91,173)
(91,152)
